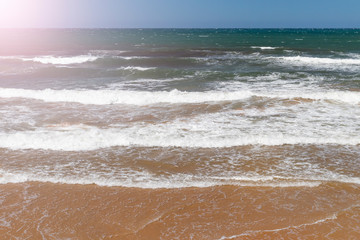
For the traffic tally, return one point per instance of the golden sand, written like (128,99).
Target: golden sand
(61,211)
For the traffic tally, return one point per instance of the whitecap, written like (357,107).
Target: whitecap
(264,48)
(175,134)
(350,64)
(136,68)
(107,96)
(62,60)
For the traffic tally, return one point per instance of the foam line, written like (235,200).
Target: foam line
(103,97)
(83,138)
(57,60)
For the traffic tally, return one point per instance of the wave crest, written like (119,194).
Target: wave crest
(84,138)
(57,60)
(106,96)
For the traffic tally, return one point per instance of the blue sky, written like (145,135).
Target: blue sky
(180,13)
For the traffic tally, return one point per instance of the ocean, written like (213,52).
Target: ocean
(180,133)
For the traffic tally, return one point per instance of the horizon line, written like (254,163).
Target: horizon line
(169,28)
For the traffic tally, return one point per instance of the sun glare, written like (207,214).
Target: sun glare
(25,13)
(12,13)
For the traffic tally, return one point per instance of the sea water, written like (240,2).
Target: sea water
(250,112)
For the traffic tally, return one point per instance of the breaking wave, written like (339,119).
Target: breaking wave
(106,96)
(62,60)
(320,62)
(84,138)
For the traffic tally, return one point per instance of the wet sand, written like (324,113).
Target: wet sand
(36,210)
(167,134)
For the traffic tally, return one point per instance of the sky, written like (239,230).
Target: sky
(179,14)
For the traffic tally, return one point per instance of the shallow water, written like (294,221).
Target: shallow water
(229,133)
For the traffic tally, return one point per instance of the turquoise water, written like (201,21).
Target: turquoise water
(187,133)
(95,58)
(178,92)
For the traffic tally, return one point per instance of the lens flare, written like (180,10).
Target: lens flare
(28,13)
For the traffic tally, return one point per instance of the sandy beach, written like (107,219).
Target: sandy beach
(57,211)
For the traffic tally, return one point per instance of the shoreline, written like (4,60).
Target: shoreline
(92,212)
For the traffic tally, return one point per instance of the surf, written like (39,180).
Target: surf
(108,96)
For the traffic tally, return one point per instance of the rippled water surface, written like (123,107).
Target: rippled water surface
(258,130)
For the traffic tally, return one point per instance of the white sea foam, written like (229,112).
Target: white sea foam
(340,96)
(317,60)
(102,97)
(276,83)
(264,48)
(347,55)
(106,52)
(147,180)
(274,125)
(141,181)
(131,57)
(320,62)
(62,60)
(188,135)
(267,181)
(144,179)
(136,68)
